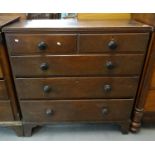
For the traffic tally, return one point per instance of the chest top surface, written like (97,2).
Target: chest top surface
(4,20)
(76,25)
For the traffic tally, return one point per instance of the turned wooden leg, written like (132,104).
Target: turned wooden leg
(18,130)
(125,127)
(28,129)
(136,122)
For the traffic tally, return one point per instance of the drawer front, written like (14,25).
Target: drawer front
(3,90)
(113,43)
(5,111)
(36,66)
(77,87)
(150,101)
(76,110)
(19,44)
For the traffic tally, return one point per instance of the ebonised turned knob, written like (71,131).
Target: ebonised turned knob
(105,111)
(112,44)
(109,65)
(107,88)
(42,45)
(49,111)
(44,66)
(46,89)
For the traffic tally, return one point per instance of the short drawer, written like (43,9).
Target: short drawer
(76,110)
(36,66)
(5,111)
(3,90)
(99,43)
(19,44)
(76,87)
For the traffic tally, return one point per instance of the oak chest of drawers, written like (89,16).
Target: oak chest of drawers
(76,71)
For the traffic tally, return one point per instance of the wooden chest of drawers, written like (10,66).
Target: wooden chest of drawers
(76,71)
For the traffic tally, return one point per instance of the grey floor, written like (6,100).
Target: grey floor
(80,133)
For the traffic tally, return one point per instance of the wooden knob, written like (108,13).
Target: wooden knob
(44,66)
(107,88)
(112,44)
(109,65)
(42,45)
(46,89)
(105,111)
(49,111)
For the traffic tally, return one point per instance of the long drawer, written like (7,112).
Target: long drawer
(76,87)
(77,65)
(5,111)
(76,110)
(19,44)
(3,90)
(127,42)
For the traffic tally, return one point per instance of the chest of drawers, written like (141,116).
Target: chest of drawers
(76,71)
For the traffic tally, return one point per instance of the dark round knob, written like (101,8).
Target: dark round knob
(107,88)
(46,89)
(105,111)
(109,65)
(44,66)
(49,111)
(112,44)
(42,45)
